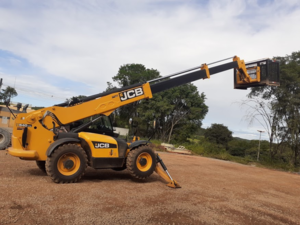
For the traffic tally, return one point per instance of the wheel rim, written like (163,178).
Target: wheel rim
(68,164)
(144,161)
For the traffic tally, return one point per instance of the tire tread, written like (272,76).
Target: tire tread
(131,160)
(51,159)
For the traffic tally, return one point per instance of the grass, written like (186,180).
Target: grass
(207,149)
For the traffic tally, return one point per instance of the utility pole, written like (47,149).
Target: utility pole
(260,131)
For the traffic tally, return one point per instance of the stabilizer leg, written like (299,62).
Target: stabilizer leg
(165,174)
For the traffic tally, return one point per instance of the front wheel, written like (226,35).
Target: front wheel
(67,164)
(141,162)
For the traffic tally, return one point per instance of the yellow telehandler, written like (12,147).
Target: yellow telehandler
(64,149)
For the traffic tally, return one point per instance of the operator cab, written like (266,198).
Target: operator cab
(102,126)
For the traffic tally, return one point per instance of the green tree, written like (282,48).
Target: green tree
(219,134)
(130,74)
(237,147)
(110,86)
(178,111)
(285,101)
(75,99)
(7,94)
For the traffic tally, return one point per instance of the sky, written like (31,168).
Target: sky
(53,50)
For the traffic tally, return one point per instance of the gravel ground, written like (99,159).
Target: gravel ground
(213,192)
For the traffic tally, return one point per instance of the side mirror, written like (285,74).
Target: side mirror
(19,106)
(25,108)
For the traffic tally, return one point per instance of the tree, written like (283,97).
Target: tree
(262,111)
(285,101)
(8,93)
(219,134)
(180,110)
(129,74)
(110,87)
(75,99)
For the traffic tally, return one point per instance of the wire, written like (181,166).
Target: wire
(188,70)
(42,94)
(219,61)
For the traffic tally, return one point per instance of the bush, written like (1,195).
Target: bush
(219,134)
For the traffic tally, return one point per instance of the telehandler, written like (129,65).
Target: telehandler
(64,150)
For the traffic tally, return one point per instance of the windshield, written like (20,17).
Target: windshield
(105,123)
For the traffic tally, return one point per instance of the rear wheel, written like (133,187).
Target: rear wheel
(141,162)
(67,164)
(4,139)
(41,165)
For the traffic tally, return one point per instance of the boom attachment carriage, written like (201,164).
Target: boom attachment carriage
(264,72)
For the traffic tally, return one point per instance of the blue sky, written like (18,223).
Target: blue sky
(53,50)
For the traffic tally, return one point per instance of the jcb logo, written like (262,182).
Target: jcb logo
(101,145)
(131,94)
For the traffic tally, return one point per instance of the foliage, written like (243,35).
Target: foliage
(134,73)
(242,151)
(261,111)
(37,107)
(238,147)
(219,134)
(178,112)
(110,87)
(75,99)
(7,94)
(129,74)
(285,104)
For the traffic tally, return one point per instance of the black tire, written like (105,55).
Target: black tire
(5,137)
(141,162)
(67,164)
(41,165)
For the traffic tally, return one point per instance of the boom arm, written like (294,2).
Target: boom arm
(192,76)
(106,103)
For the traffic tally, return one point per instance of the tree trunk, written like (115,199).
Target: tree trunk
(170,134)
(296,151)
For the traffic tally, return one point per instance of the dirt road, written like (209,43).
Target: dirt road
(213,192)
